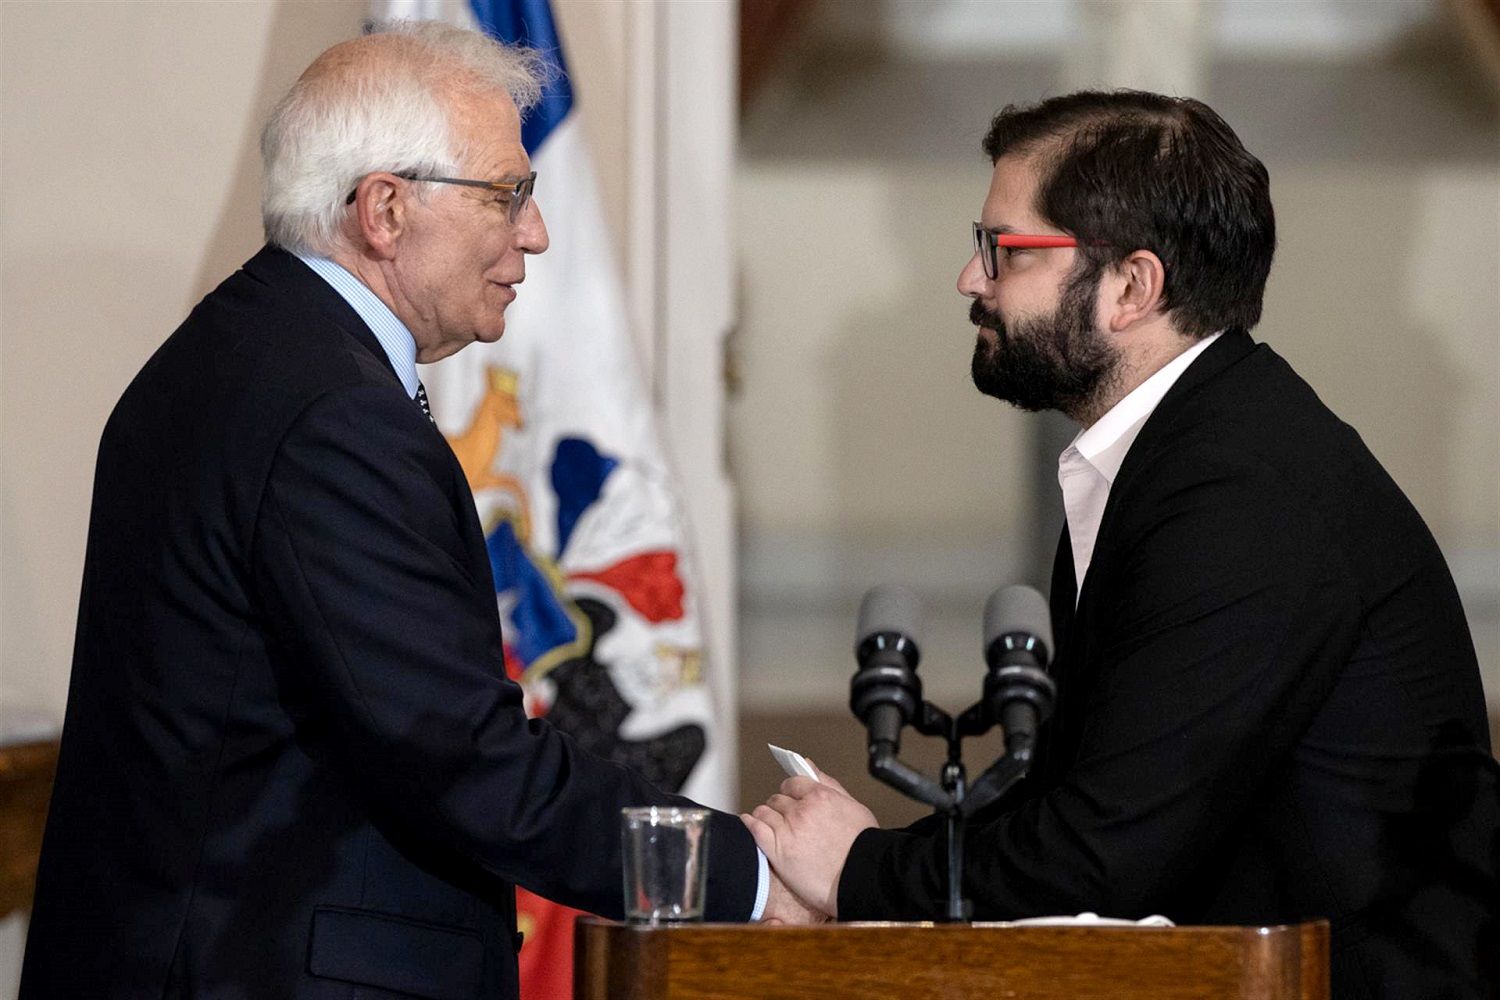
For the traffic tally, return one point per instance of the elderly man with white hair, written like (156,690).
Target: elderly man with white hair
(292,765)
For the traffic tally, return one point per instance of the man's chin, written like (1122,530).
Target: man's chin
(1007,392)
(448,348)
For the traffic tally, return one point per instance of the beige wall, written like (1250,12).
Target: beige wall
(130,187)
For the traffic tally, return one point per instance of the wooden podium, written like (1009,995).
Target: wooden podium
(615,961)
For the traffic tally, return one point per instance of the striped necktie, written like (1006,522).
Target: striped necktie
(422,401)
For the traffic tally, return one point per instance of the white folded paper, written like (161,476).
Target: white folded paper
(792,762)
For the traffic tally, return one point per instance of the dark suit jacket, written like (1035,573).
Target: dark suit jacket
(291,764)
(1269,708)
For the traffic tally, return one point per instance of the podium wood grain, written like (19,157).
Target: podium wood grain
(900,961)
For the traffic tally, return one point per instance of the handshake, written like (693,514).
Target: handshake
(806,830)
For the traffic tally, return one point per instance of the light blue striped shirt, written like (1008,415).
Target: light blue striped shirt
(395,339)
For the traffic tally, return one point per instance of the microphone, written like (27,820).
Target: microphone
(885,692)
(1017,647)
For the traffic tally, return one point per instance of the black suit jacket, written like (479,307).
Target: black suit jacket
(291,764)
(1269,708)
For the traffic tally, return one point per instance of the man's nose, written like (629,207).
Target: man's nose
(972,280)
(531,230)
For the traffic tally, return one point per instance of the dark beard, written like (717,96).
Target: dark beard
(1057,362)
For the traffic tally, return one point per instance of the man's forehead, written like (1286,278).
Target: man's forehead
(490,128)
(490,111)
(1011,201)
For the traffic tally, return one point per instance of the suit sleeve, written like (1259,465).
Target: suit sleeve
(390,653)
(1230,614)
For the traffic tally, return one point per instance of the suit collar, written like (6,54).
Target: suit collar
(1233,346)
(291,277)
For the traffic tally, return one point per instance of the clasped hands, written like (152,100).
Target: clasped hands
(806,831)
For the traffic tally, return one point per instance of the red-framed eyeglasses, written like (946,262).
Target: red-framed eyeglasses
(987,244)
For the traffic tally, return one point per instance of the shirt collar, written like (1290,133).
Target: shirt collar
(1105,444)
(395,339)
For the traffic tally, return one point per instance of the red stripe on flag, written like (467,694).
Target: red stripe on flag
(648,581)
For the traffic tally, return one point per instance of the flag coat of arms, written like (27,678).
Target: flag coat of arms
(556,433)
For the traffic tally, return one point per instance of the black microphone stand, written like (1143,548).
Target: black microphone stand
(951,796)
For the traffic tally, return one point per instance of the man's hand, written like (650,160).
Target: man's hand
(784,907)
(806,832)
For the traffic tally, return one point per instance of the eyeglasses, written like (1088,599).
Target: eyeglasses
(519,191)
(987,245)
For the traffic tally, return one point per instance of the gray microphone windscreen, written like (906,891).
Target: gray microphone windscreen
(889,607)
(1017,608)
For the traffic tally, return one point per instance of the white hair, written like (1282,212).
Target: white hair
(380,104)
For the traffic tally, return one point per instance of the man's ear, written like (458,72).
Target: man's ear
(379,213)
(1141,281)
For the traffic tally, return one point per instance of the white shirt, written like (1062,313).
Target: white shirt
(1087,468)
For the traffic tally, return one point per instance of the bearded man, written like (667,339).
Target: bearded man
(1269,707)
